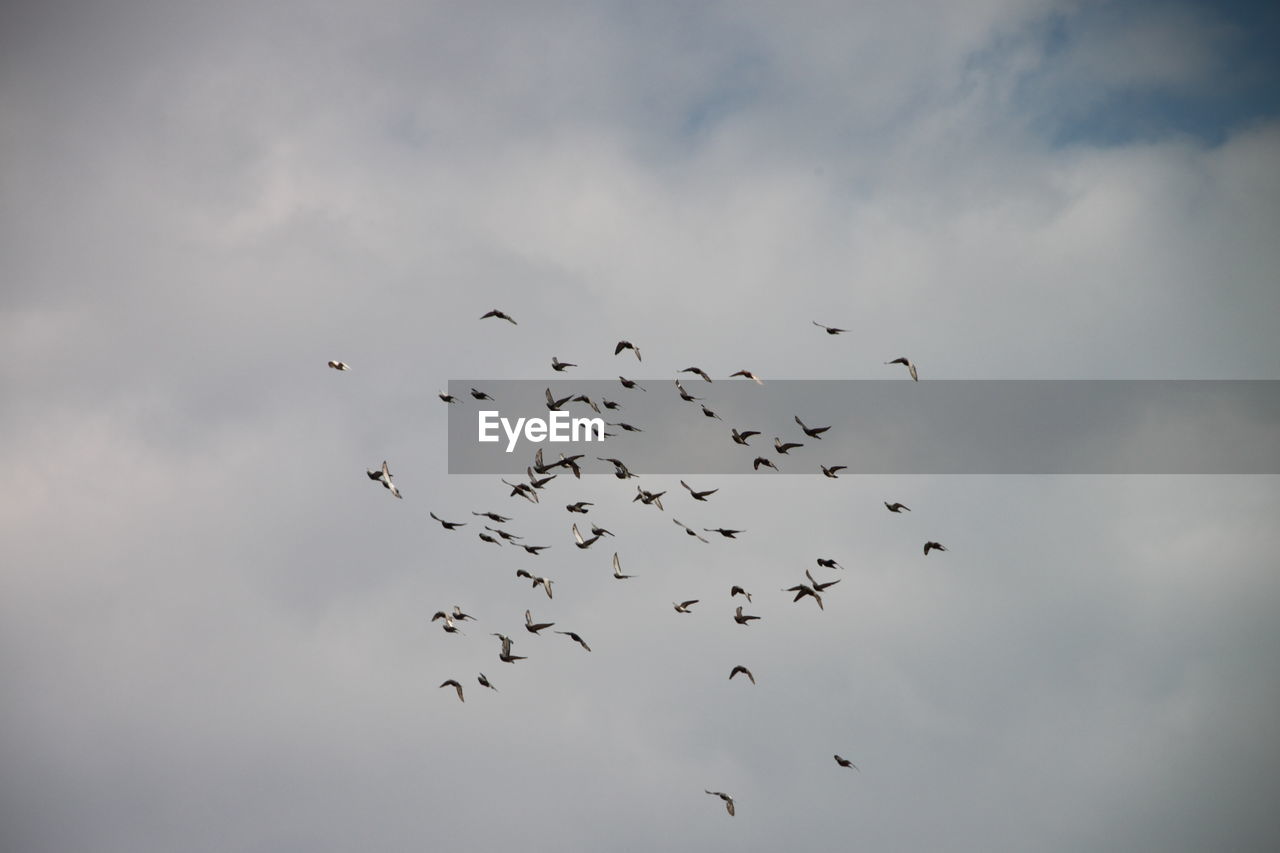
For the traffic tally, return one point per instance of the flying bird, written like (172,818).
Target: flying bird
(484,682)
(831,472)
(624,426)
(559,366)
(524,490)
(696,370)
(583,398)
(728,800)
(844,762)
(339,365)
(506,536)
(534,549)
(553,404)
(493,516)
(627,345)
(785,448)
(801,590)
(456,686)
(742,619)
(828,563)
(760,460)
(737,590)
(534,627)
(741,669)
(579,506)
(690,530)
(710,413)
(683,607)
(460,616)
(600,531)
(812,432)
(911,368)
(741,437)
(449,627)
(500,315)
(383,476)
(485,537)
(831,330)
(583,543)
(544,582)
(505,655)
(819,587)
(647,497)
(617,568)
(727,534)
(447,525)
(749,375)
(573,636)
(685,395)
(933,546)
(610,405)
(698,496)
(896,507)
(448,398)
(480,395)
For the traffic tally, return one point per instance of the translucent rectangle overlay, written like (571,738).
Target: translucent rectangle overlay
(878,427)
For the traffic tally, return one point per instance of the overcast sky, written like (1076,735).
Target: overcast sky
(214,628)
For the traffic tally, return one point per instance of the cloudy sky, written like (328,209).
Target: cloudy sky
(214,629)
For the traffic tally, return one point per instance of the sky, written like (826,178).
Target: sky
(215,629)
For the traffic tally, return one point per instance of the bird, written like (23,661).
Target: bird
(831,472)
(460,616)
(456,686)
(710,413)
(844,762)
(696,370)
(553,404)
(500,315)
(559,366)
(760,460)
(828,563)
(683,607)
(620,470)
(539,482)
(617,569)
(570,462)
(727,534)
(493,516)
(600,531)
(627,345)
(505,655)
(647,497)
(741,669)
(448,398)
(573,636)
(583,398)
(583,543)
(449,627)
(698,496)
(742,619)
(383,475)
(610,405)
(737,590)
(934,546)
(544,582)
(812,432)
(801,590)
(896,507)
(447,525)
(785,448)
(524,490)
(629,383)
(534,549)
(831,330)
(728,800)
(819,587)
(506,536)
(690,530)
(579,506)
(911,368)
(749,375)
(480,395)
(625,426)
(685,395)
(534,627)
(484,682)
(485,537)
(339,365)
(741,437)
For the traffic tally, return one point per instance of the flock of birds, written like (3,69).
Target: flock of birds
(540,476)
